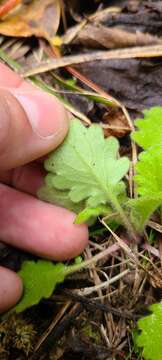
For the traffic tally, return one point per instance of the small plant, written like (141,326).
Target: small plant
(87,175)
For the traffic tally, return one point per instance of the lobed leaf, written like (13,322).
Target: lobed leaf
(141,210)
(148,179)
(149,129)
(149,186)
(150,338)
(149,172)
(86,168)
(40,279)
(58,197)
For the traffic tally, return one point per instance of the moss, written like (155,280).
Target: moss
(16,334)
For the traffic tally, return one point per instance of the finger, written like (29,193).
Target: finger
(38,227)
(27,178)
(10,289)
(9,77)
(31,125)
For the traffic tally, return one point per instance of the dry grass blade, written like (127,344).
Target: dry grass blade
(53,324)
(136,52)
(56,333)
(104,285)
(100,15)
(91,304)
(152,250)
(72,32)
(160,249)
(99,36)
(155,226)
(122,244)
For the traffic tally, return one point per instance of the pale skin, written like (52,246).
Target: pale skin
(32,123)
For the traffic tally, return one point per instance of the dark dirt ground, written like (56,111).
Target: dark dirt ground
(72,325)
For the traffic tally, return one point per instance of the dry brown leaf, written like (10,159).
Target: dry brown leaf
(98,36)
(7,6)
(115,123)
(40,18)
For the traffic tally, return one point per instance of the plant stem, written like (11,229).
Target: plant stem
(84,264)
(125,220)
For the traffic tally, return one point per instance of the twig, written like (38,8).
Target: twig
(104,284)
(52,325)
(127,53)
(92,306)
(58,331)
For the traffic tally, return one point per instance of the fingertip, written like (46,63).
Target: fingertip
(72,238)
(11,289)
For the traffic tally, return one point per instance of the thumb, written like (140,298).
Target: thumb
(32,123)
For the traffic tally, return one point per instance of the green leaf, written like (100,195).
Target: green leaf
(58,197)
(149,172)
(86,167)
(89,214)
(150,338)
(149,129)
(149,186)
(40,279)
(141,210)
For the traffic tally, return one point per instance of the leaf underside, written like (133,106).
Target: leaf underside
(90,214)
(85,171)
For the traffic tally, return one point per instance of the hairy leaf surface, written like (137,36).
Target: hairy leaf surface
(89,214)
(58,197)
(150,338)
(141,210)
(148,179)
(149,186)
(149,131)
(149,172)
(86,168)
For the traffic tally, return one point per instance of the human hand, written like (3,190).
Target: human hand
(32,123)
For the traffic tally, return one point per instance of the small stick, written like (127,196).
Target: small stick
(127,53)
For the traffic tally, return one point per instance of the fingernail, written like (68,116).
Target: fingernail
(45,113)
